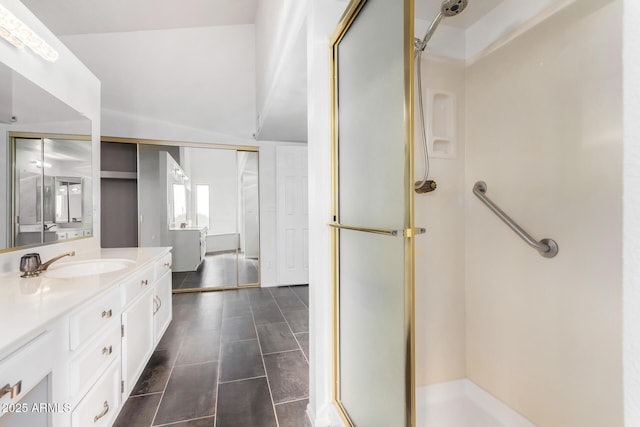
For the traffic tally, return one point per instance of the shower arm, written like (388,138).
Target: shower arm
(548,248)
(420,45)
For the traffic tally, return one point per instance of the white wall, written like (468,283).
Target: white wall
(188,84)
(631,213)
(545,132)
(70,81)
(5,190)
(150,196)
(323,17)
(281,70)
(439,272)
(219,169)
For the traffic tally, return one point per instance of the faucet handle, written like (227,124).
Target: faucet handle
(30,265)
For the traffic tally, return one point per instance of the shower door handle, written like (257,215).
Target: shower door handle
(408,232)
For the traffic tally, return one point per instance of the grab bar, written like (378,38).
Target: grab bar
(548,248)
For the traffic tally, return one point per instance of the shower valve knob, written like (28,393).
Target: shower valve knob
(427,187)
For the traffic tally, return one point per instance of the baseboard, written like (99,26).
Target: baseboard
(466,389)
(327,416)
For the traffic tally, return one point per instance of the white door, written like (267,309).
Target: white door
(292,217)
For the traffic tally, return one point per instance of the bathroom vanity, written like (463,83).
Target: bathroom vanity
(190,247)
(76,338)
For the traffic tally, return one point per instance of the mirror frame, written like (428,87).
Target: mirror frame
(12,136)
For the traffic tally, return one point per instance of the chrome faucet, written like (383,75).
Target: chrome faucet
(31,266)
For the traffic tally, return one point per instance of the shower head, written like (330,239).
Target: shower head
(447,9)
(453,7)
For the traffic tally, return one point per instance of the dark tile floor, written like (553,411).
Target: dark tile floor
(219,270)
(232,358)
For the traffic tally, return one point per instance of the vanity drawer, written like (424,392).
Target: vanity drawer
(100,312)
(163,265)
(75,233)
(25,368)
(94,358)
(137,284)
(100,406)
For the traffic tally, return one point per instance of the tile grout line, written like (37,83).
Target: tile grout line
(301,300)
(216,412)
(292,401)
(294,334)
(242,379)
(132,396)
(291,329)
(264,365)
(300,346)
(170,372)
(283,351)
(189,420)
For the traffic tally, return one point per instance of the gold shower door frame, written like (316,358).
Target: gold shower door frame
(408,233)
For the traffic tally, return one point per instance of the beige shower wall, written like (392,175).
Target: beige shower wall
(544,131)
(440,337)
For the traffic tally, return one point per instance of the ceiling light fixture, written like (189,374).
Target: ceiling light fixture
(41,164)
(18,34)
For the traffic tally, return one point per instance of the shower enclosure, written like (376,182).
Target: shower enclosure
(373,228)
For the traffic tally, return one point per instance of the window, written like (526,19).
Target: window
(202,205)
(179,205)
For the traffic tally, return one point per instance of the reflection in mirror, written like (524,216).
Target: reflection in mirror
(41,139)
(248,218)
(68,199)
(61,208)
(204,203)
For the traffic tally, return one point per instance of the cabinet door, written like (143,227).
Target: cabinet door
(137,342)
(162,305)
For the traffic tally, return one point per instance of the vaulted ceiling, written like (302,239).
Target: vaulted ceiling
(116,38)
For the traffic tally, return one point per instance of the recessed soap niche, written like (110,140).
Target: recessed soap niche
(440,119)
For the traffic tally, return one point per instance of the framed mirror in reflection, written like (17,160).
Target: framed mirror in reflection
(45,166)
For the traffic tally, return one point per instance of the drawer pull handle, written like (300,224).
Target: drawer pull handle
(167,264)
(107,314)
(144,282)
(103,413)
(12,390)
(107,350)
(158,302)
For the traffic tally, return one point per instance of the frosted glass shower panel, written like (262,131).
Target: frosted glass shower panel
(371,127)
(372,329)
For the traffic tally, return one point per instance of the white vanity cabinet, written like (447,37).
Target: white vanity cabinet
(94,361)
(190,247)
(146,315)
(137,339)
(82,359)
(27,379)
(162,312)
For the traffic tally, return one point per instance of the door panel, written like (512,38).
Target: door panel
(372,328)
(293,215)
(373,214)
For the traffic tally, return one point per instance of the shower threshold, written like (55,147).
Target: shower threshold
(462,403)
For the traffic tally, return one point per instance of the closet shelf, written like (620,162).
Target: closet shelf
(118,175)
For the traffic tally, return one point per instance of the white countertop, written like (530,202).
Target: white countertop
(28,305)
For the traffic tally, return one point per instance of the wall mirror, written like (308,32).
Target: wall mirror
(204,202)
(45,166)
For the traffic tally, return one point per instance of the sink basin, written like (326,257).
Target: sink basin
(89,267)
